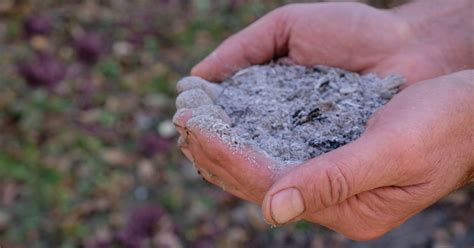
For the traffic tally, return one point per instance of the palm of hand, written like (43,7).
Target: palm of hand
(246,172)
(397,168)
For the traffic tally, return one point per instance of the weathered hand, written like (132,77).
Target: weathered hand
(352,36)
(358,38)
(416,149)
(245,172)
(297,31)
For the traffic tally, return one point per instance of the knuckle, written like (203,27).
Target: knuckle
(284,10)
(282,15)
(335,187)
(338,184)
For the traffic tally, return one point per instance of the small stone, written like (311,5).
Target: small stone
(146,171)
(459,229)
(141,193)
(39,43)
(166,129)
(347,90)
(122,48)
(116,157)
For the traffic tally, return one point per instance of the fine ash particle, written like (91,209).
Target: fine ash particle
(294,113)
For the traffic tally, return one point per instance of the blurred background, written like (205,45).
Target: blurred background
(88,153)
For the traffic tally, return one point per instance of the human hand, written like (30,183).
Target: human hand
(267,38)
(416,149)
(417,41)
(244,172)
(348,35)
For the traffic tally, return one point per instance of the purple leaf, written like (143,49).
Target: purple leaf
(150,144)
(36,25)
(142,224)
(44,71)
(89,48)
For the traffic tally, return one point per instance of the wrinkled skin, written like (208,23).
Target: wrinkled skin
(415,150)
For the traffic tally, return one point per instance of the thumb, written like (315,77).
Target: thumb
(330,179)
(260,42)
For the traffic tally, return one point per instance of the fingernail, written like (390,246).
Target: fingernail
(286,205)
(181,115)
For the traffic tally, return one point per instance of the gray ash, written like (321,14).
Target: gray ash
(294,113)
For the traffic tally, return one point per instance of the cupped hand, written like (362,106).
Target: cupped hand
(358,38)
(307,34)
(244,171)
(352,36)
(416,149)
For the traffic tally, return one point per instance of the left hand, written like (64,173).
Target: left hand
(246,173)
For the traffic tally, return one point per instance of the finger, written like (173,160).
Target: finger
(215,180)
(260,42)
(370,214)
(179,120)
(193,98)
(187,83)
(212,111)
(216,148)
(332,178)
(411,65)
(181,117)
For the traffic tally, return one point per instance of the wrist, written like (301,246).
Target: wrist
(444,29)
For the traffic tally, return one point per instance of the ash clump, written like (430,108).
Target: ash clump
(294,113)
